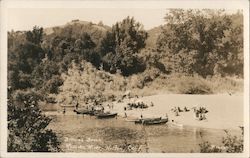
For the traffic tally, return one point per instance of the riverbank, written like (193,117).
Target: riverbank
(225,111)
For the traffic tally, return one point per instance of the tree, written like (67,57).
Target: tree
(124,41)
(45,77)
(23,57)
(196,41)
(35,36)
(53,84)
(27,125)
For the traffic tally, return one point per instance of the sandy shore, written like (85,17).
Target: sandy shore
(225,111)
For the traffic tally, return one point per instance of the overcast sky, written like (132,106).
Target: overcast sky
(25,19)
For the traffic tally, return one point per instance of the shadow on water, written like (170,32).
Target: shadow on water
(88,134)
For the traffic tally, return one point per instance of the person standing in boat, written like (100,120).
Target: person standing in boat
(125,115)
(77,104)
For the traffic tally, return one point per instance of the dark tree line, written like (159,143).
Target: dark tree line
(26,124)
(203,42)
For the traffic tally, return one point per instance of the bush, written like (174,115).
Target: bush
(192,85)
(27,126)
(231,144)
(226,84)
(206,147)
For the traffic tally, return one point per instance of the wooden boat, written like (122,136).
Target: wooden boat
(105,115)
(82,111)
(140,121)
(95,112)
(156,122)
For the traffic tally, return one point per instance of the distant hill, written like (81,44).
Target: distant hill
(76,23)
(152,36)
(75,29)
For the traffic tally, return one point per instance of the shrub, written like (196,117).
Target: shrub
(206,147)
(192,85)
(231,144)
(27,126)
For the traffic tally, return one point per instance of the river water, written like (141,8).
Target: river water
(87,134)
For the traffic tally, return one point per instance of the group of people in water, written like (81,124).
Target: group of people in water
(95,106)
(140,105)
(177,110)
(99,107)
(199,112)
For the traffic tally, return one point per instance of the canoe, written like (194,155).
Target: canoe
(156,122)
(105,115)
(82,111)
(140,121)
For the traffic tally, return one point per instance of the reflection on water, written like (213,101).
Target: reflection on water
(87,134)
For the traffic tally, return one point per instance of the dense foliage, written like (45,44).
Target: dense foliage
(204,42)
(231,144)
(121,45)
(27,126)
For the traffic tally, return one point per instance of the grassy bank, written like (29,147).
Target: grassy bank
(91,84)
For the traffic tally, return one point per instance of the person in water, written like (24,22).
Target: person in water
(64,110)
(176,113)
(152,104)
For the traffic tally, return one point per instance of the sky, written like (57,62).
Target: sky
(24,19)
(25,14)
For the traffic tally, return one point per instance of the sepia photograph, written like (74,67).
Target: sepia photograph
(147,78)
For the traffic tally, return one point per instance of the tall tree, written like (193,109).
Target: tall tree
(195,41)
(122,44)
(23,57)
(35,36)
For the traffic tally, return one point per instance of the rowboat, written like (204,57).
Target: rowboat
(140,121)
(156,122)
(105,115)
(82,111)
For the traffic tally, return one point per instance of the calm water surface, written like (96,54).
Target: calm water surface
(87,134)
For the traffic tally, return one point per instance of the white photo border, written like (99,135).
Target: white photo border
(213,4)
